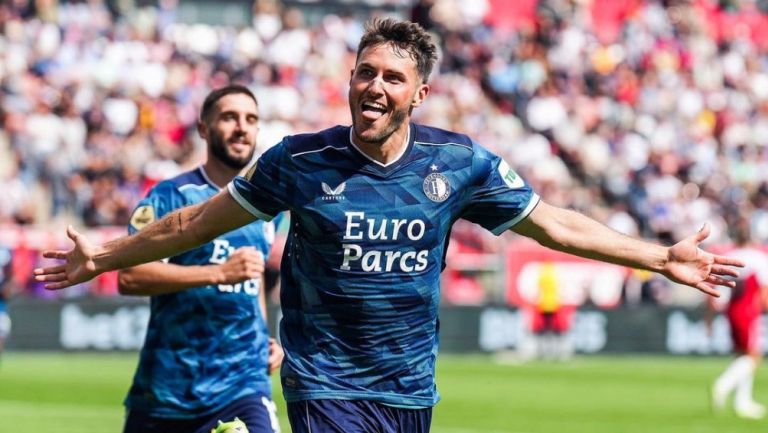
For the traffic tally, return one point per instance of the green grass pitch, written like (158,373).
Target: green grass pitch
(63,393)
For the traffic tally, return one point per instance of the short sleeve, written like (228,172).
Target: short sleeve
(266,188)
(498,197)
(161,200)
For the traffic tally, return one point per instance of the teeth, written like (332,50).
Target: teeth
(374,106)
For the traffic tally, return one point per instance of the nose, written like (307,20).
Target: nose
(240,124)
(376,85)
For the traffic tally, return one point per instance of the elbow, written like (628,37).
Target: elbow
(126,284)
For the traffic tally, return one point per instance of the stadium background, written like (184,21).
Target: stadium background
(651,116)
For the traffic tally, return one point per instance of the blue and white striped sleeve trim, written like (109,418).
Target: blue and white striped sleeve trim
(511,223)
(246,204)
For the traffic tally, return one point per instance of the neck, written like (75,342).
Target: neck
(385,152)
(218,172)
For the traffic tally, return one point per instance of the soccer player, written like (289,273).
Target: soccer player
(207,354)
(748,299)
(371,209)
(550,320)
(6,288)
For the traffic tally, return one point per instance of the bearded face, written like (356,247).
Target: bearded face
(231,130)
(384,87)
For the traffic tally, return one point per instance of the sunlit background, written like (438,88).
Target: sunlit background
(650,116)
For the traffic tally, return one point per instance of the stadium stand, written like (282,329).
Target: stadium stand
(650,115)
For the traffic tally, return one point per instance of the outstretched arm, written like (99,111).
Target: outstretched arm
(177,232)
(571,232)
(158,278)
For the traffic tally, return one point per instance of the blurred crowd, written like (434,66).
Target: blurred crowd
(651,116)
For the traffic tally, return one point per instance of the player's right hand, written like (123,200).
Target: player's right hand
(78,264)
(244,264)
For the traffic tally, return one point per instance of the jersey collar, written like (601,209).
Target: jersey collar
(379,167)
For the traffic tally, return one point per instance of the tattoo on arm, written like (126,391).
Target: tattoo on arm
(181,229)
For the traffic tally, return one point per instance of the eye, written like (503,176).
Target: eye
(365,73)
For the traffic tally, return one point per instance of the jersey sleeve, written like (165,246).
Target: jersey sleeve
(267,187)
(161,200)
(498,198)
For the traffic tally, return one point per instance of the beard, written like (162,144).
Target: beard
(393,124)
(218,148)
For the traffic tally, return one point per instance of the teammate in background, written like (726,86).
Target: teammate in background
(371,210)
(550,320)
(6,290)
(207,354)
(748,299)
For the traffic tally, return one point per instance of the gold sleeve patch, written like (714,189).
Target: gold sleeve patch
(250,171)
(142,216)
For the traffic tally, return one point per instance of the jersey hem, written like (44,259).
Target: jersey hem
(394,400)
(167,413)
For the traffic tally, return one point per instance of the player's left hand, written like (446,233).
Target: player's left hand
(688,264)
(276,355)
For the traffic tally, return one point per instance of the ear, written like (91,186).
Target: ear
(202,130)
(420,95)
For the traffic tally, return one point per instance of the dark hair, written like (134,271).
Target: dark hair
(739,230)
(219,93)
(403,35)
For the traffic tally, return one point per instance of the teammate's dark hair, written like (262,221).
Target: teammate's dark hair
(403,35)
(215,95)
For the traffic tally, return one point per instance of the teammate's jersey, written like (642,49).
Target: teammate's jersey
(361,267)
(745,297)
(207,346)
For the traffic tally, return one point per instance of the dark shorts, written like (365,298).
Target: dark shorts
(256,411)
(356,416)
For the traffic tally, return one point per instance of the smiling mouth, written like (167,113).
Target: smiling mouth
(240,144)
(372,111)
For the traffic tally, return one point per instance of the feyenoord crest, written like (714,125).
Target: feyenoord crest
(436,187)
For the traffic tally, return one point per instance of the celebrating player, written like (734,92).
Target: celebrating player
(372,207)
(207,354)
(748,299)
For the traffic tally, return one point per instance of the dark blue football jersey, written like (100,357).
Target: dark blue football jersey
(205,346)
(361,268)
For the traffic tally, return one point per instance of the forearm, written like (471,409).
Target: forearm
(173,234)
(162,278)
(573,233)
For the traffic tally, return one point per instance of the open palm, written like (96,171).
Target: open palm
(689,264)
(78,264)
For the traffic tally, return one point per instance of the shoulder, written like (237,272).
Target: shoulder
(334,138)
(427,136)
(189,179)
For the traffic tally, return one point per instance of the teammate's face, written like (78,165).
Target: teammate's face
(231,130)
(384,88)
